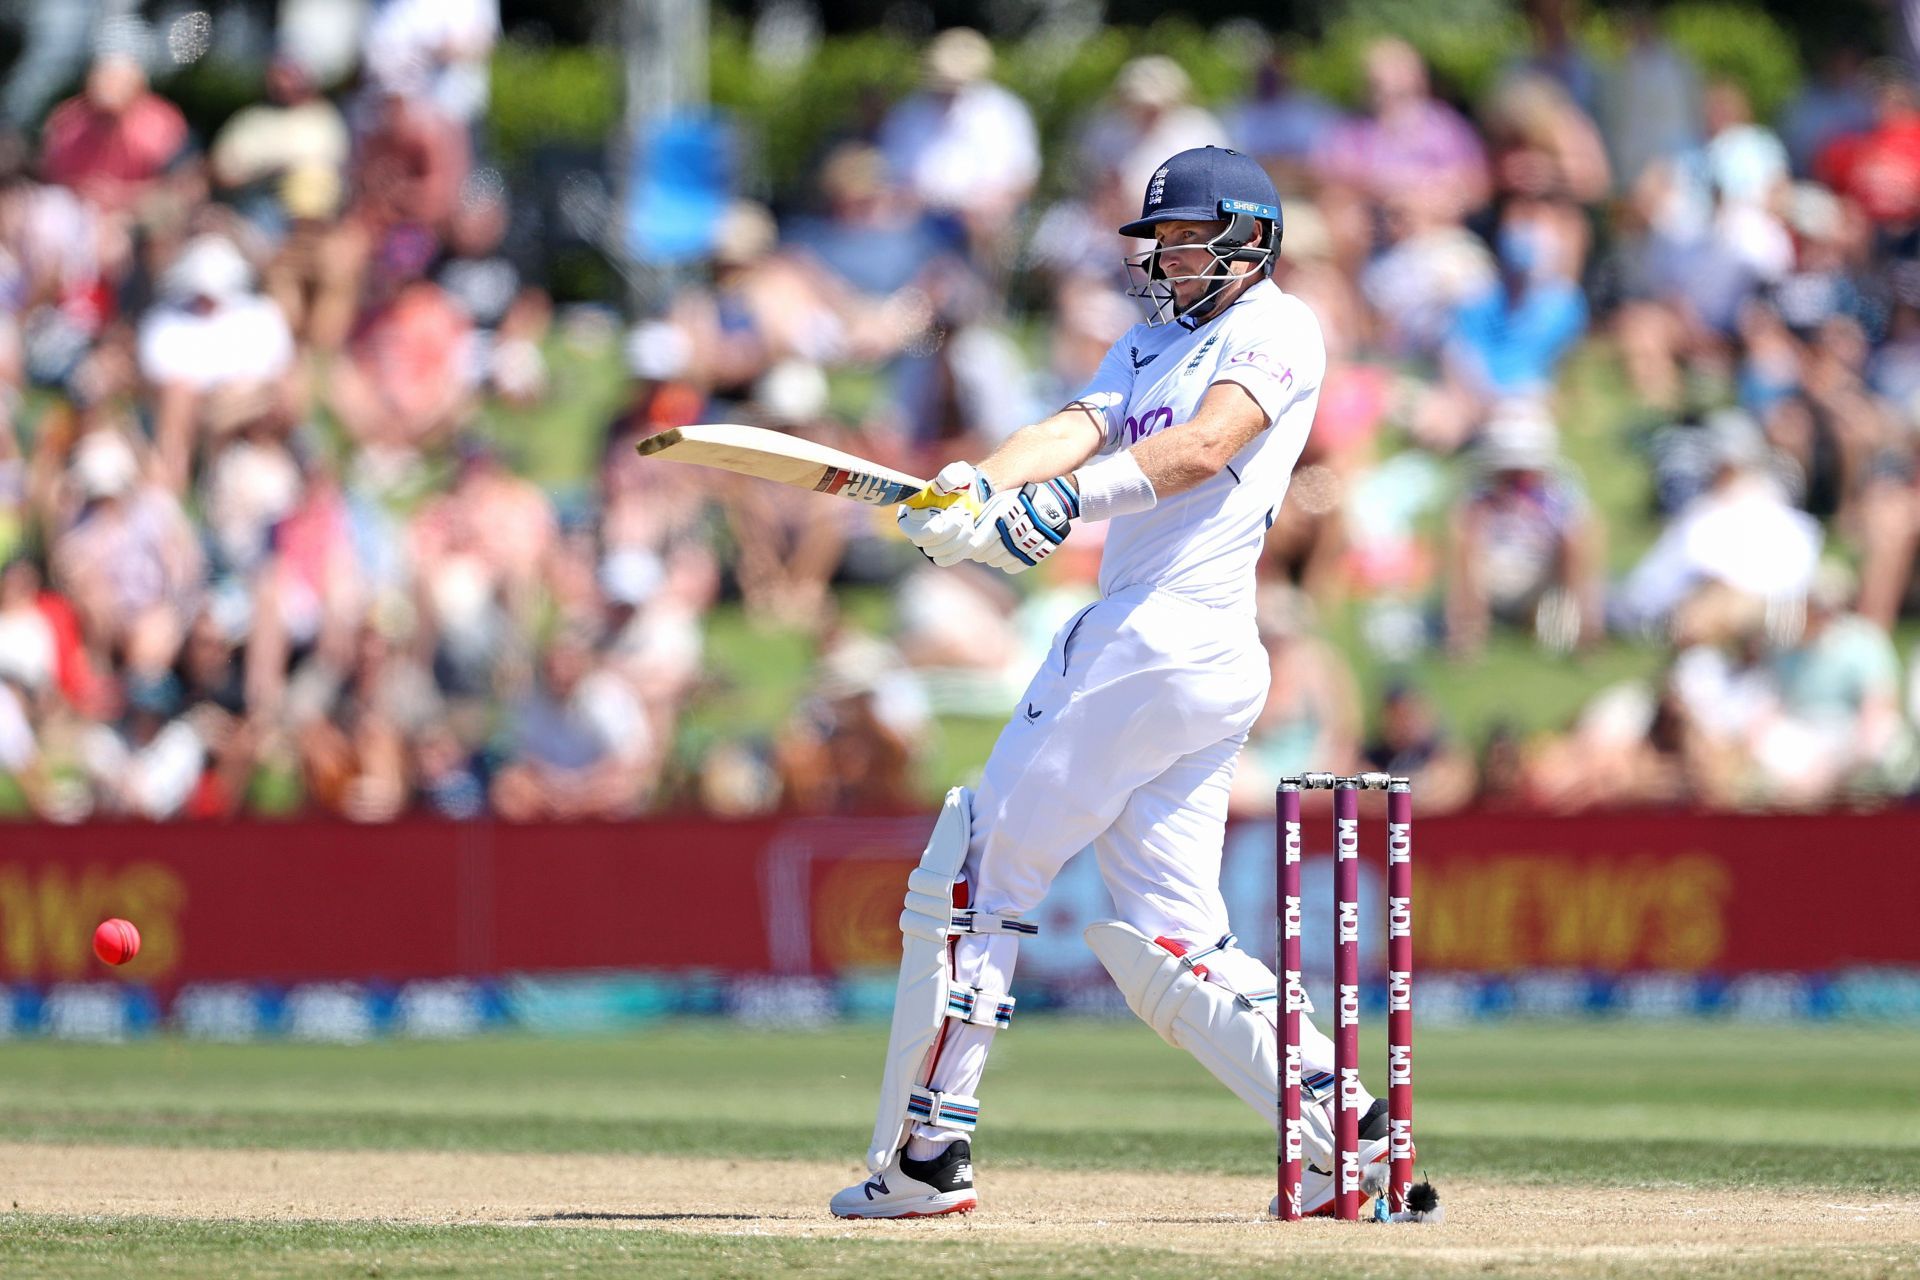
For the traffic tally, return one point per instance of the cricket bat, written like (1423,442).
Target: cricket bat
(789,460)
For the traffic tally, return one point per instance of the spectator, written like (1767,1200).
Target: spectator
(875,260)
(1740,533)
(790,545)
(435,51)
(1544,148)
(150,764)
(126,556)
(1409,141)
(1689,265)
(1074,247)
(496,515)
(1746,162)
(1282,124)
(963,145)
(1629,746)
(1411,743)
(60,258)
(1524,541)
(210,668)
(1862,430)
(957,631)
(447,777)
(406,381)
(1555,50)
(657,643)
(1508,342)
(1833,274)
(22,773)
(1801,455)
(479,552)
(1837,727)
(965,386)
(1651,102)
(1834,102)
(766,306)
(210,336)
(1503,767)
(1151,116)
(250,485)
(577,743)
(29,646)
(1894,372)
(355,703)
(850,745)
(509,314)
(1879,169)
(309,592)
(1429,269)
(407,170)
(115,138)
(1890,536)
(1721,688)
(285,158)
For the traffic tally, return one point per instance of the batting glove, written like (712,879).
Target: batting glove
(945,531)
(1033,521)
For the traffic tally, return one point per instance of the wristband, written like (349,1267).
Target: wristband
(1114,486)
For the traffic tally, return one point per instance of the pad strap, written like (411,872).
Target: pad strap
(948,1110)
(981,1008)
(988,922)
(1262,1002)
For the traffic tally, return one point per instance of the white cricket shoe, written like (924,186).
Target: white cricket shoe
(914,1188)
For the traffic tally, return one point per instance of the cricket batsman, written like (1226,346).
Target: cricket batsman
(1127,736)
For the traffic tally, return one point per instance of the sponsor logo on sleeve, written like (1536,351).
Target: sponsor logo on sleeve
(1267,364)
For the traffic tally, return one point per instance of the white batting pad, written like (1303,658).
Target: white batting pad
(1220,1027)
(920,999)
(927,995)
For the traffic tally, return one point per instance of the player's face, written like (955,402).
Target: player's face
(1183,252)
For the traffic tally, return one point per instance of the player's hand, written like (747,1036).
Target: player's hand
(1031,521)
(943,532)
(1017,528)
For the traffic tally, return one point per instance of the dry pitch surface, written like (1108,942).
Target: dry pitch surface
(1490,1227)
(1560,1150)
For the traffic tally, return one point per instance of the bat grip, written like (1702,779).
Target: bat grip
(928,498)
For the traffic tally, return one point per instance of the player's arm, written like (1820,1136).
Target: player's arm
(1017,504)
(1046,449)
(1195,451)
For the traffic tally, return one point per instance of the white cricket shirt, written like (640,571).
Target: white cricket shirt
(1202,545)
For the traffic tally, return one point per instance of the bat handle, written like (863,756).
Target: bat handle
(928,498)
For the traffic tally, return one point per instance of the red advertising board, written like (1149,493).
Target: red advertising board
(1612,893)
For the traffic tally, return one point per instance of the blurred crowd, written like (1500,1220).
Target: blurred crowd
(261,558)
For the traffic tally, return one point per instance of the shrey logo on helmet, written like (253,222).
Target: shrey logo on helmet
(1205,184)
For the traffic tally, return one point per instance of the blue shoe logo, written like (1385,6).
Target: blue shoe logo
(878,1181)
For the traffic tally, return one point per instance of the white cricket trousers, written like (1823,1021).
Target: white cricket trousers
(1125,741)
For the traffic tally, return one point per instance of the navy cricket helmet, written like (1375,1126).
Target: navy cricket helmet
(1205,184)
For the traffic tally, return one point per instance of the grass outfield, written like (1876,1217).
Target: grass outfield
(1683,1110)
